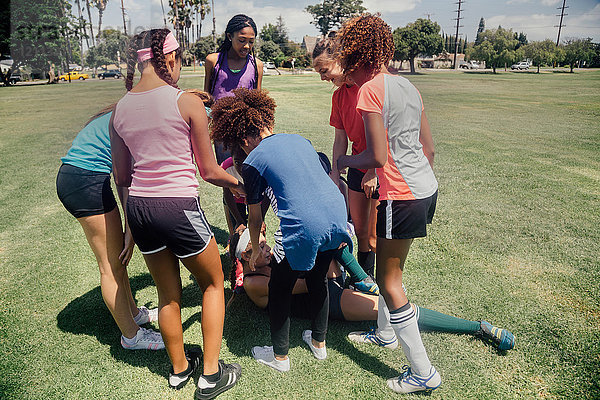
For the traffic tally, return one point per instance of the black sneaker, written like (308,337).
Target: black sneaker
(194,357)
(230,373)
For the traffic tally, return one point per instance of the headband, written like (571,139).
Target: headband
(242,244)
(169,46)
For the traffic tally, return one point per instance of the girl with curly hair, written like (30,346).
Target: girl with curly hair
(399,144)
(283,167)
(157,132)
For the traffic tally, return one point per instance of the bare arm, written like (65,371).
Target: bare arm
(121,157)
(260,70)
(426,139)
(340,147)
(128,242)
(375,155)
(192,110)
(255,221)
(209,68)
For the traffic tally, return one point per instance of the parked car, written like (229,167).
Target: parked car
(73,75)
(470,65)
(111,73)
(14,78)
(520,65)
(269,64)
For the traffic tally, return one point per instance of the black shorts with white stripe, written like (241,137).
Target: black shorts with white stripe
(405,219)
(176,223)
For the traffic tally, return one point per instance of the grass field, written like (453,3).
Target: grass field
(515,240)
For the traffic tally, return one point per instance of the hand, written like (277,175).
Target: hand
(127,252)
(238,191)
(369,183)
(252,261)
(340,164)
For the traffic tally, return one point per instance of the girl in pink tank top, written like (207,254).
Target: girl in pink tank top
(157,133)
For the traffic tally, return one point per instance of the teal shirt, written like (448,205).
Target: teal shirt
(91,147)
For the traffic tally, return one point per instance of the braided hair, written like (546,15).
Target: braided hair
(243,115)
(235,24)
(154,39)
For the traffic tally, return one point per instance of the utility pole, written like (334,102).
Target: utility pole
(560,24)
(428,15)
(458,25)
(123,12)
(163,11)
(214,32)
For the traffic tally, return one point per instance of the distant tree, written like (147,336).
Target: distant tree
(419,37)
(542,52)
(110,43)
(332,13)
(497,48)
(101,6)
(40,33)
(521,39)
(577,51)
(595,62)
(202,47)
(270,51)
(277,34)
(480,30)
(4,27)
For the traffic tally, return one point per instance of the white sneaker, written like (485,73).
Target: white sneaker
(373,337)
(319,353)
(146,315)
(145,339)
(409,382)
(265,355)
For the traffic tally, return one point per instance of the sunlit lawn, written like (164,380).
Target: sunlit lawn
(515,240)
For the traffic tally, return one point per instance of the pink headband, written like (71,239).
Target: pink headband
(169,46)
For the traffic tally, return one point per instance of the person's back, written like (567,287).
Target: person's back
(310,206)
(151,126)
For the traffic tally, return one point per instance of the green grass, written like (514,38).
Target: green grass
(515,240)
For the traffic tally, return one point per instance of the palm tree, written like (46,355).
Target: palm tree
(87,4)
(101,6)
(204,9)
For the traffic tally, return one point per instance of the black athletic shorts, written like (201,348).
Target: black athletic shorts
(176,223)
(355,177)
(405,219)
(83,192)
(300,307)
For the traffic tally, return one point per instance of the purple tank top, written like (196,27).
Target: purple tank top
(227,81)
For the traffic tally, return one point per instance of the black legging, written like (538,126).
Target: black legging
(282,281)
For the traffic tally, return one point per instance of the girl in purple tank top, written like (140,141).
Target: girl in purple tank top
(157,133)
(233,66)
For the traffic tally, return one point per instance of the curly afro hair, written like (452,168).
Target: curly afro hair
(365,42)
(243,115)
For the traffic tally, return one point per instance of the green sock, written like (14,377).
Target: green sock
(429,320)
(347,260)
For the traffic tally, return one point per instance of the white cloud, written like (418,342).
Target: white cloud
(519,1)
(550,2)
(542,26)
(386,6)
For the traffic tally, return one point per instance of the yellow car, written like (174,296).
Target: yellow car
(73,75)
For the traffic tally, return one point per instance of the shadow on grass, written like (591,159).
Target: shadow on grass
(246,326)
(88,315)
(221,235)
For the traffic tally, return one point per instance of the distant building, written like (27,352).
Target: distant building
(309,43)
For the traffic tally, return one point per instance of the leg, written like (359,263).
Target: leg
(206,268)
(364,217)
(316,283)
(280,298)
(391,256)
(105,236)
(164,268)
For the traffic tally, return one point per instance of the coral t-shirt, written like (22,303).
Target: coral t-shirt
(344,116)
(407,174)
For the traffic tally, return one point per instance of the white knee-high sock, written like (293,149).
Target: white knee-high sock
(384,327)
(404,323)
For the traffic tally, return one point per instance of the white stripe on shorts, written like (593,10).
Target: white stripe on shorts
(388,219)
(153,251)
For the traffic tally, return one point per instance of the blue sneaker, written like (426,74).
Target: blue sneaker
(502,339)
(367,286)
(373,337)
(409,382)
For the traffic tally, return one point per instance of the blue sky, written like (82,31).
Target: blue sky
(536,18)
